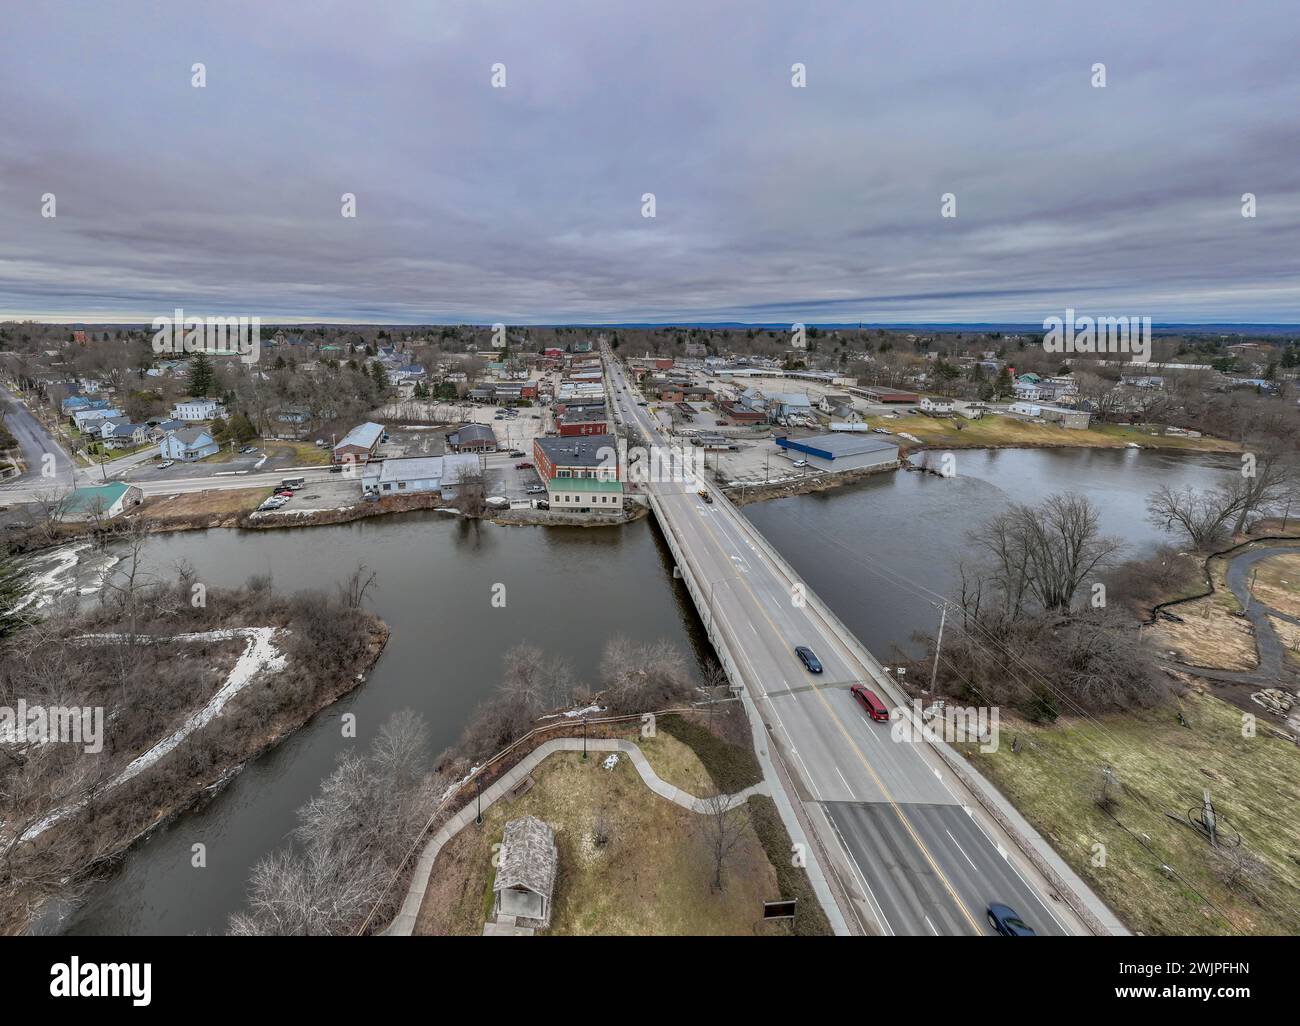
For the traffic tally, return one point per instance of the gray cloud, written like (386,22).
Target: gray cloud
(774,203)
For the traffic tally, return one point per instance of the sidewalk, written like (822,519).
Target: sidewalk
(404,923)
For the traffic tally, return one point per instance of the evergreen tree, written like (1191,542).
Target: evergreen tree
(202,376)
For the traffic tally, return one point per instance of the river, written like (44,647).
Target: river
(869,550)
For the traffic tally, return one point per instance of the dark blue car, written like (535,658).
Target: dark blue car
(1004,919)
(809,660)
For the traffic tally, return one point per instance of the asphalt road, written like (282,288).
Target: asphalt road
(922,857)
(35,442)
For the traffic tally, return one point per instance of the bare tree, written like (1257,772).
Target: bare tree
(725,824)
(1239,868)
(353,591)
(471,494)
(1203,516)
(640,677)
(350,841)
(1047,551)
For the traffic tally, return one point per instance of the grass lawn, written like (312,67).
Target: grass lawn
(992,430)
(652,877)
(1277,583)
(211,502)
(1209,636)
(1163,767)
(301,454)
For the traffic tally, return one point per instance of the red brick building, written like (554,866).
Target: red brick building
(583,422)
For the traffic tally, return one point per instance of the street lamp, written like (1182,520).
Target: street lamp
(584,739)
(478,787)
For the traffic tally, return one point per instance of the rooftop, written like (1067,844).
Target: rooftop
(100,496)
(364,435)
(579,450)
(842,444)
(584,484)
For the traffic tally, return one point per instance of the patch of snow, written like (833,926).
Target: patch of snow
(260,656)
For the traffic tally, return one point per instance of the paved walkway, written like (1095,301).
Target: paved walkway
(1272,670)
(404,923)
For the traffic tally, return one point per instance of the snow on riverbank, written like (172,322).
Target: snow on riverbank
(57,571)
(260,657)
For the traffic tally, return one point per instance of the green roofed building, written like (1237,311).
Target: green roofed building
(102,501)
(584,495)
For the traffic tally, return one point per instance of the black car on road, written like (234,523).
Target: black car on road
(808,658)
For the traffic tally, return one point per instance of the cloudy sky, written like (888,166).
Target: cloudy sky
(773,203)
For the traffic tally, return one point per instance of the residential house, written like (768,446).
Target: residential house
(191,410)
(87,420)
(934,406)
(188,444)
(118,432)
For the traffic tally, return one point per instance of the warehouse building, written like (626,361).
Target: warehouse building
(359,444)
(842,452)
(415,475)
(473,438)
(1063,415)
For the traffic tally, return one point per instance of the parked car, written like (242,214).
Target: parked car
(535,490)
(704,494)
(869,701)
(336,469)
(543,504)
(525,465)
(800,463)
(516,453)
(499,416)
(247,449)
(166,463)
(1006,921)
(808,658)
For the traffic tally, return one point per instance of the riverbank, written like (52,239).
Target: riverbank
(743,494)
(993,431)
(194,708)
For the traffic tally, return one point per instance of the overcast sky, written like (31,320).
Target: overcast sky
(773,203)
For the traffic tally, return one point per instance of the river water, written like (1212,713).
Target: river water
(870,551)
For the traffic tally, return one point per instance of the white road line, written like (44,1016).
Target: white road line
(962,850)
(876,907)
(847,786)
(931,926)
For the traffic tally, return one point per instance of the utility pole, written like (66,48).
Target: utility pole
(1250,592)
(934,670)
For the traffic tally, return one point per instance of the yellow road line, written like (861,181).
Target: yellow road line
(776,632)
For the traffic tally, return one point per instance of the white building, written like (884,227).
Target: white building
(932,405)
(197,409)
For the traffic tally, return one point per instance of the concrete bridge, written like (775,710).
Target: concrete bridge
(903,836)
